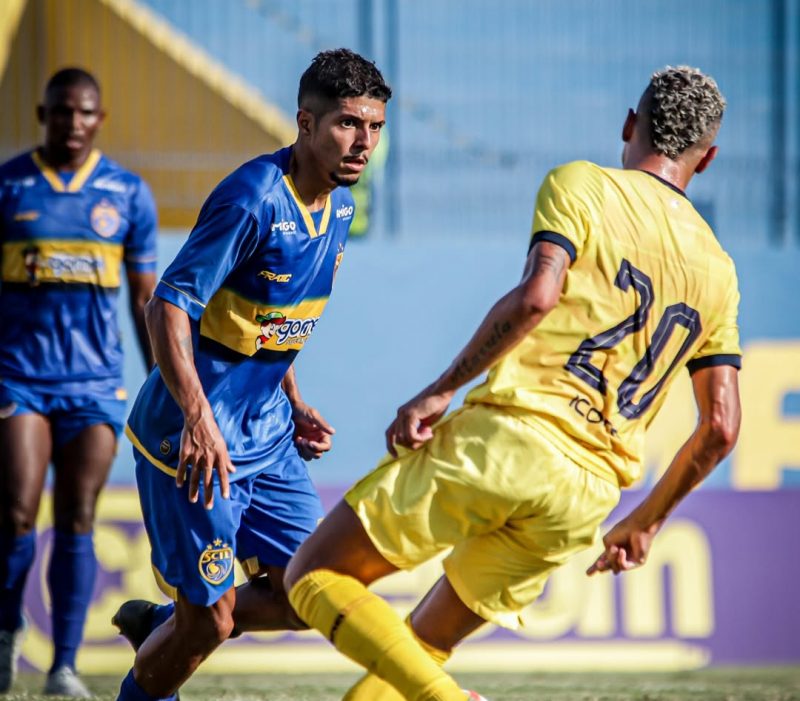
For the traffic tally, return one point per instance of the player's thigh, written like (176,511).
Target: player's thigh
(450,489)
(25,449)
(192,548)
(498,574)
(283,510)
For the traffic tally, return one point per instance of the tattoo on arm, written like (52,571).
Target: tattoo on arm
(466,368)
(547,263)
(186,347)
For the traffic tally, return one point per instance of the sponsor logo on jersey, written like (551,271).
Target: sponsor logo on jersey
(285,227)
(583,408)
(105,219)
(30,215)
(284,330)
(275,277)
(31,256)
(64,265)
(345,212)
(338,261)
(216,562)
(106,183)
(165,447)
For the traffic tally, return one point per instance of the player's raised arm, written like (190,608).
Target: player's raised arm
(716,391)
(202,445)
(507,323)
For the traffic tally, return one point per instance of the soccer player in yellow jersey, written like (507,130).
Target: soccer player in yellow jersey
(624,285)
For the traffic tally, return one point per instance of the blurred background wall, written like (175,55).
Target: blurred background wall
(488,97)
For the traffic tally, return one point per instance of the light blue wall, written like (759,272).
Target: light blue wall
(490,95)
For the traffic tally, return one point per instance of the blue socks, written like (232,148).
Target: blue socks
(70,578)
(131,691)
(16,558)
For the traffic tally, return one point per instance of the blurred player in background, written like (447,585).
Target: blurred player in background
(624,285)
(221,415)
(69,219)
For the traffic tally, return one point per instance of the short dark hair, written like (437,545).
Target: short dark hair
(337,74)
(67,77)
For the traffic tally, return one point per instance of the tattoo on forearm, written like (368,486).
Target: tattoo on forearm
(467,367)
(185,344)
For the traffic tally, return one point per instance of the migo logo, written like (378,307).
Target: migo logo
(344,212)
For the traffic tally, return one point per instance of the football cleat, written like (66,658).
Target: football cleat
(10,647)
(65,681)
(473,695)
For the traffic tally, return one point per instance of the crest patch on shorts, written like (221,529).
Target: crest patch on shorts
(216,562)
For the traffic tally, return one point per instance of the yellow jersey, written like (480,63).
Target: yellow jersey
(650,290)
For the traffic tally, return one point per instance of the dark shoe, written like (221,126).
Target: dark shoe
(135,621)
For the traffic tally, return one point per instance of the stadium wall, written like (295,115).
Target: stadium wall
(721,584)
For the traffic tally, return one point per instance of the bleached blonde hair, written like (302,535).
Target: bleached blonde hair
(684,108)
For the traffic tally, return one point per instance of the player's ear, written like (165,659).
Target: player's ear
(40,114)
(705,161)
(629,126)
(305,121)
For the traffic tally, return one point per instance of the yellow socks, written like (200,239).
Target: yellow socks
(366,629)
(372,688)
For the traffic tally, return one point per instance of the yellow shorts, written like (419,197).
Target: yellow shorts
(509,503)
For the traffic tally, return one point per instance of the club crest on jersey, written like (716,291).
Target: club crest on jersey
(105,219)
(216,562)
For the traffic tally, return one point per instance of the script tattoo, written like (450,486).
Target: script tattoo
(466,369)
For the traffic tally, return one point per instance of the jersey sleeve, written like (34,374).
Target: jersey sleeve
(722,345)
(224,236)
(140,244)
(562,212)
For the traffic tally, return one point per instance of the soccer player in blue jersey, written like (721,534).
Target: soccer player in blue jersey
(624,286)
(221,416)
(69,219)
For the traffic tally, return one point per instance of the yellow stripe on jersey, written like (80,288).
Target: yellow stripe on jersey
(78,179)
(650,289)
(57,260)
(246,326)
(326,214)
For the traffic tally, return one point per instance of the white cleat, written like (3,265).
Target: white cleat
(65,681)
(10,648)
(473,696)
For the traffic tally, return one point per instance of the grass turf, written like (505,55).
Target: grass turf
(719,684)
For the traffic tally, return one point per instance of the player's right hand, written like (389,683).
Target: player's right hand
(411,427)
(203,448)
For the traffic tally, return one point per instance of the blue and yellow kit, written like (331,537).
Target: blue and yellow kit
(254,277)
(646,295)
(65,237)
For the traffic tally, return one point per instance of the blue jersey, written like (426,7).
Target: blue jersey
(254,277)
(63,245)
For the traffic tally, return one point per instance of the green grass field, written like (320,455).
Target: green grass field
(734,684)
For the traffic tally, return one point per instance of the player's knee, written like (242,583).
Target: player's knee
(204,628)
(75,518)
(19,521)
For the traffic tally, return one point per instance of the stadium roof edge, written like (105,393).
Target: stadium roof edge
(202,66)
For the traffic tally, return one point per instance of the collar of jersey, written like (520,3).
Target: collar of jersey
(326,214)
(78,180)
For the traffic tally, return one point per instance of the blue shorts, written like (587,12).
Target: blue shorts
(102,403)
(266,518)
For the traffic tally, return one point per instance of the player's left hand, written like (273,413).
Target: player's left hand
(627,545)
(412,425)
(313,436)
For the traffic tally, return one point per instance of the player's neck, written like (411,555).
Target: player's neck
(673,172)
(312,186)
(62,159)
